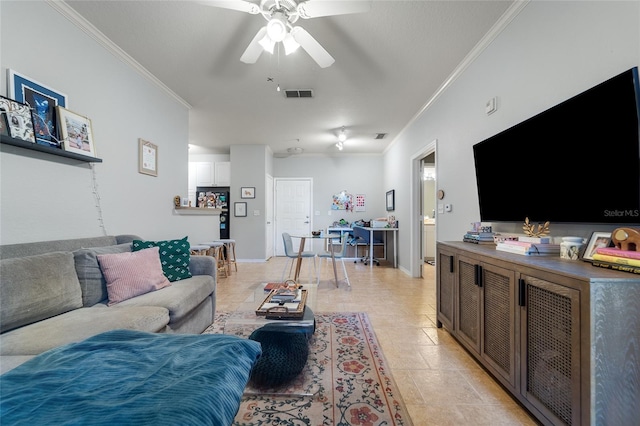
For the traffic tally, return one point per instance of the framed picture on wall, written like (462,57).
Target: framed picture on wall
(4,124)
(240,209)
(147,158)
(18,119)
(76,132)
(43,101)
(391,200)
(247,192)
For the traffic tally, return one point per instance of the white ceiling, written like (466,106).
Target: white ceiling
(388,63)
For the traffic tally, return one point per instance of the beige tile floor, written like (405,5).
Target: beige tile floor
(439,382)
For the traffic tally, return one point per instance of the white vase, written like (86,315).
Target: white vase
(570,247)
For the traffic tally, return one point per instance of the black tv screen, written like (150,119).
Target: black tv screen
(577,162)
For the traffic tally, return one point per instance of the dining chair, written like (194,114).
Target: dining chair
(337,256)
(363,237)
(292,256)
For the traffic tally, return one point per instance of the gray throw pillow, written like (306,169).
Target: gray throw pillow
(92,282)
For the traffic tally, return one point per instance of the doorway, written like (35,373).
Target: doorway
(293,209)
(417,225)
(269,234)
(429,208)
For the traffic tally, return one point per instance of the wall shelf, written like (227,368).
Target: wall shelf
(47,149)
(198,210)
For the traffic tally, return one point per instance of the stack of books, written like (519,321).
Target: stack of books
(530,246)
(478,237)
(614,258)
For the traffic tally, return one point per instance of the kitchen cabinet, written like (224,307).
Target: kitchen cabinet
(561,336)
(206,173)
(221,173)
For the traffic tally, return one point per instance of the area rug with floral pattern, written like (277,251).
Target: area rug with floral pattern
(346,380)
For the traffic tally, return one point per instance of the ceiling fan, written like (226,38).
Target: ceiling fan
(280,16)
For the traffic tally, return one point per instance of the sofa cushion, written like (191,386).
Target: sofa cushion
(79,324)
(180,299)
(132,274)
(37,287)
(92,282)
(174,256)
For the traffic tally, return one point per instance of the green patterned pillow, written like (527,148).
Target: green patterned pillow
(174,256)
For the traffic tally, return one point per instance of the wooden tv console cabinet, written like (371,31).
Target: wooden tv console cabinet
(562,336)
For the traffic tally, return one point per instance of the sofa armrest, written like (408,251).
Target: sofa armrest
(202,265)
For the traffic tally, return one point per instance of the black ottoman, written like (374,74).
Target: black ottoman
(285,349)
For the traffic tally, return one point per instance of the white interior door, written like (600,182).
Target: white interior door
(269,234)
(293,209)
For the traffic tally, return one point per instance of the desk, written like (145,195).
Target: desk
(395,243)
(303,239)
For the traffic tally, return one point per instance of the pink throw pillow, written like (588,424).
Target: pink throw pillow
(131,274)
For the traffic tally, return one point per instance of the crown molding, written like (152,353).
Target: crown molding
(502,23)
(79,21)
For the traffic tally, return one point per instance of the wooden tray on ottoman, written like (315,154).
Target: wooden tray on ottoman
(275,310)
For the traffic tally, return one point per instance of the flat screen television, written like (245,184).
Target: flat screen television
(577,162)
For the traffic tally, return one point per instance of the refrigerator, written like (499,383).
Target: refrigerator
(218,197)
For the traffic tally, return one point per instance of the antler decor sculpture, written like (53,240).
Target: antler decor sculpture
(530,229)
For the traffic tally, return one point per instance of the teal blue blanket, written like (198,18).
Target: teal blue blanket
(126,377)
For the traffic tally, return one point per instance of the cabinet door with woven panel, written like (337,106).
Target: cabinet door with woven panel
(445,288)
(498,297)
(467,315)
(550,333)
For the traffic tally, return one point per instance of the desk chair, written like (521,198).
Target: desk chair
(362,236)
(292,255)
(338,256)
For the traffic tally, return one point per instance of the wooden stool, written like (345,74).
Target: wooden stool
(200,250)
(230,253)
(216,249)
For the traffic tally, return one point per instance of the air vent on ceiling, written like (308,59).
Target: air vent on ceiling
(305,93)
(380,136)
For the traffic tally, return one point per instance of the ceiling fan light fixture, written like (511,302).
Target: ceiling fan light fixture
(267,44)
(290,45)
(277,27)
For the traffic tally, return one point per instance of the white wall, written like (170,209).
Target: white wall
(357,174)
(549,52)
(45,197)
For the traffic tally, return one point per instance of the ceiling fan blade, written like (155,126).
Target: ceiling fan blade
(254,50)
(316,8)
(312,47)
(241,5)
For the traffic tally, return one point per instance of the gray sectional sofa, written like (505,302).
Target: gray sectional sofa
(53,293)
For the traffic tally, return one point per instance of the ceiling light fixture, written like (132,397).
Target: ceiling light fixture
(339,145)
(290,45)
(267,44)
(277,27)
